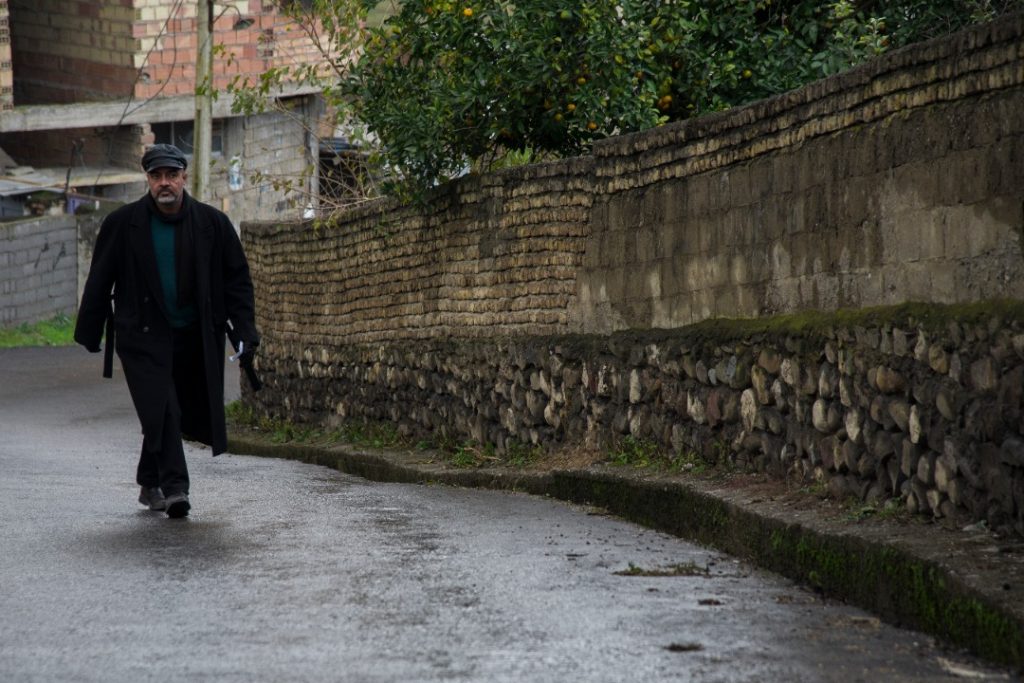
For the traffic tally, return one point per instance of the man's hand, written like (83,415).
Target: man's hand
(245,356)
(245,353)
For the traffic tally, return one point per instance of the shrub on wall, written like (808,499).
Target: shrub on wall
(445,84)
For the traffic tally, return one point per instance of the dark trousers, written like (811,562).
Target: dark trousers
(166,467)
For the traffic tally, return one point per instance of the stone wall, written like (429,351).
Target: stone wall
(900,180)
(38,269)
(918,403)
(583,301)
(495,255)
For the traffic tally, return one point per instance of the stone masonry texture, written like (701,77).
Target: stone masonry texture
(587,300)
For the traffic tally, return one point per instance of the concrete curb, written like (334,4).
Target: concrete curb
(958,587)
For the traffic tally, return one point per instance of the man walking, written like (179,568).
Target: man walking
(176,273)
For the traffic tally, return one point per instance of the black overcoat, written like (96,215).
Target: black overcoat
(124,262)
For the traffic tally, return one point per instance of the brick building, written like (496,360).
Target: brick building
(86,85)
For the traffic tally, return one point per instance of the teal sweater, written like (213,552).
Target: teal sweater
(163,245)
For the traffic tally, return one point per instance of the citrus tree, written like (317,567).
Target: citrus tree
(446,85)
(440,87)
(716,54)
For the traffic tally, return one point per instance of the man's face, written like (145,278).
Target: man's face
(167,186)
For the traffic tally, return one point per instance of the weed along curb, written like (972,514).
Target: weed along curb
(965,588)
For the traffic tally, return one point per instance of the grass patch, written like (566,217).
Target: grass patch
(467,454)
(522,455)
(818,489)
(364,434)
(633,452)
(471,454)
(930,317)
(369,434)
(691,462)
(643,454)
(57,331)
(891,509)
(378,435)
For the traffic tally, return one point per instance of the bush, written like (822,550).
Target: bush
(446,86)
(443,84)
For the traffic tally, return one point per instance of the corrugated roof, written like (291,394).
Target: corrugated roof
(25,179)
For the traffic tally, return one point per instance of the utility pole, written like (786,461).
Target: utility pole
(202,131)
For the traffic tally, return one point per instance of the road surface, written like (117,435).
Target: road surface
(292,572)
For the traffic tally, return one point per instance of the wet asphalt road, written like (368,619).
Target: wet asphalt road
(292,572)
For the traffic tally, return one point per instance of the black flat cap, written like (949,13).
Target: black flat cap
(163,156)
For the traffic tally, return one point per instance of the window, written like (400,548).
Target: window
(179,134)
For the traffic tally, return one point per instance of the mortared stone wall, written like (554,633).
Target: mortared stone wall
(585,301)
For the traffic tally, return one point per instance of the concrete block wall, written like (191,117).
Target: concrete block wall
(88,229)
(274,148)
(38,269)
